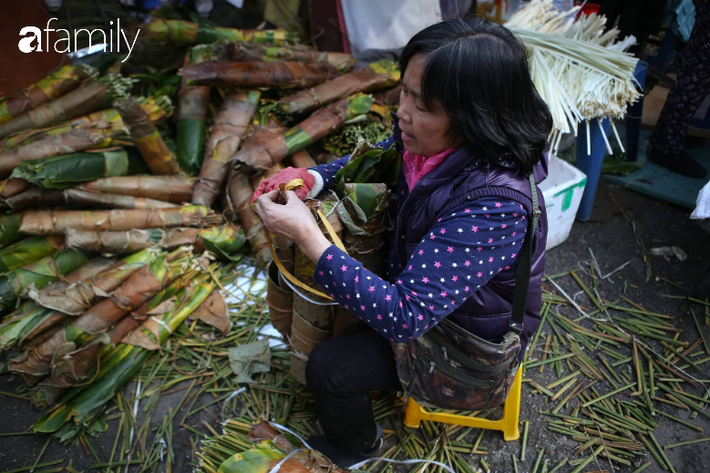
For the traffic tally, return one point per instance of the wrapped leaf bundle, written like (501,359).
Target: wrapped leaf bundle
(74,299)
(157,108)
(63,80)
(267,153)
(225,241)
(187,33)
(302,159)
(82,404)
(92,133)
(251,52)
(173,188)
(136,290)
(378,75)
(39,274)
(192,111)
(230,125)
(34,197)
(92,96)
(239,192)
(46,222)
(284,75)
(113,201)
(32,319)
(155,152)
(28,251)
(64,171)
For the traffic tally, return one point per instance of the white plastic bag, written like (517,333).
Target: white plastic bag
(702,205)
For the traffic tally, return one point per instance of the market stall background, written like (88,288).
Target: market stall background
(167,387)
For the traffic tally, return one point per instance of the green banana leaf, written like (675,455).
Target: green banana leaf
(260,459)
(24,252)
(64,171)
(369,164)
(39,273)
(364,208)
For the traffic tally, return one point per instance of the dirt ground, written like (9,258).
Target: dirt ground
(613,243)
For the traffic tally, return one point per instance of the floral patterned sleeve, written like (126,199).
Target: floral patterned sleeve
(463,251)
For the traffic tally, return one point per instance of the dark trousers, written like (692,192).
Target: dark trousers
(690,88)
(341,373)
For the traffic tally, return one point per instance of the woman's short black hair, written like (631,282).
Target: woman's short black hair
(478,71)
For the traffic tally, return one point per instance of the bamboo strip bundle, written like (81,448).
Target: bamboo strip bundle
(92,96)
(91,134)
(38,274)
(223,241)
(82,404)
(172,188)
(145,136)
(136,290)
(28,251)
(285,74)
(193,102)
(230,126)
(47,222)
(252,52)
(375,76)
(267,153)
(187,33)
(31,319)
(57,83)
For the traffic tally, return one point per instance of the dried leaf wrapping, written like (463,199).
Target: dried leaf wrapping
(285,74)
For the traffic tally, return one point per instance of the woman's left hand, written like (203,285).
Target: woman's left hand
(292,220)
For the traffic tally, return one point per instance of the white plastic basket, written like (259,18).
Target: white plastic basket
(563,191)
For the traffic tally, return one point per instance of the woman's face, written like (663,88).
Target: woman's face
(425,131)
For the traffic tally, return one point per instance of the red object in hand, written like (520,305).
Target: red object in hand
(285,176)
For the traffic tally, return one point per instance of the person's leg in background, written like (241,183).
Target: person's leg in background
(689,90)
(341,373)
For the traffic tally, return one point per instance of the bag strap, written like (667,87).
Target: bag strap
(522,273)
(290,277)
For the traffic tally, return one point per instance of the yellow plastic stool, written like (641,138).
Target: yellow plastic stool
(415,413)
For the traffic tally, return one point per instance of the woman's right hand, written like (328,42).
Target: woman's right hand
(285,176)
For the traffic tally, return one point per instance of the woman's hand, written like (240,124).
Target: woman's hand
(292,220)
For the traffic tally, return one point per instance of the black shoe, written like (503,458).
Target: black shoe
(344,458)
(681,164)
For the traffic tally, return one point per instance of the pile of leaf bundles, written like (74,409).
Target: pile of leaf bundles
(57,83)
(230,126)
(23,325)
(329,118)
(81,406)
(284,74)
(93,95)
(254,52)
(375,76)
(187,33)
(47,222)
(96,130)
(139,287)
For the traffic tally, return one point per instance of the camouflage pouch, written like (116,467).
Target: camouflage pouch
(450,368)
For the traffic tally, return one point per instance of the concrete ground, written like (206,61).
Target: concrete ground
(613,243)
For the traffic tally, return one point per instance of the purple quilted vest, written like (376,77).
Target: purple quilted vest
(462,177)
